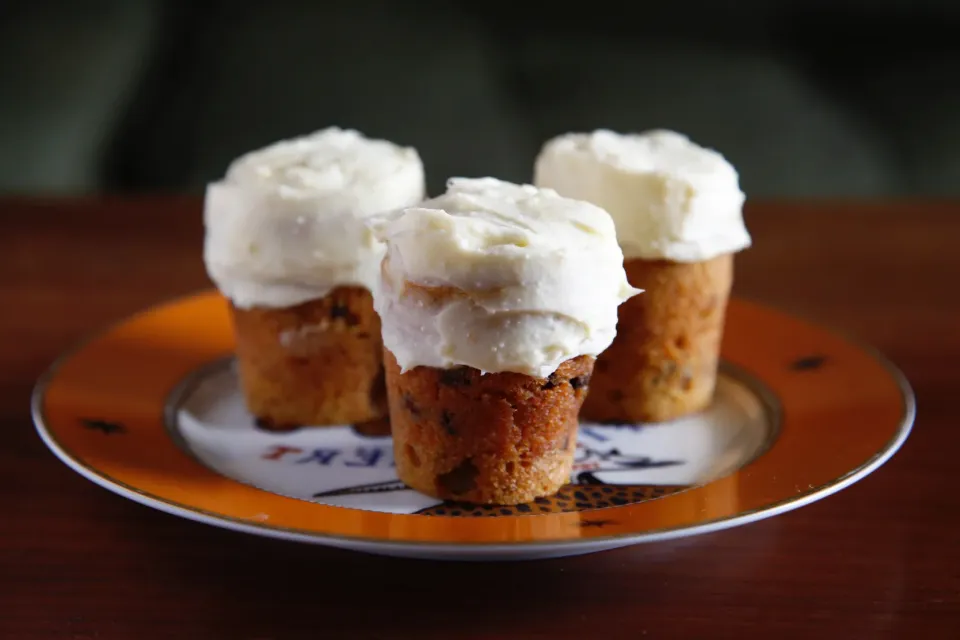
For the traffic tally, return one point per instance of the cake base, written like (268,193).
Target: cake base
(314,364)
(663,363)
(498,438)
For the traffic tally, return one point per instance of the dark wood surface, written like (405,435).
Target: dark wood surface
(879,560)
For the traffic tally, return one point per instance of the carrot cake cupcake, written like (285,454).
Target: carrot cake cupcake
(287,245)
(495,299)
(678,212)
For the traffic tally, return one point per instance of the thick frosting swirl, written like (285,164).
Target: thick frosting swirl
(499,277)
(670,198)
(285,225)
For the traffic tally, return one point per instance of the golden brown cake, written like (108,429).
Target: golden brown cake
(316,363)
(288,245)
(500,438)
(495,299)
(663,362)
(678,209)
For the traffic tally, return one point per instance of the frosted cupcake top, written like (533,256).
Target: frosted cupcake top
(670,198)
(499,277)
(285,225)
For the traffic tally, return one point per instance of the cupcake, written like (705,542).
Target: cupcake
(678,212)
(495,300)
(286,243)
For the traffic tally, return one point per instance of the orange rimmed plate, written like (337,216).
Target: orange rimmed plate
(151,410)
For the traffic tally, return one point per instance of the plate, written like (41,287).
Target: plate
(151,410)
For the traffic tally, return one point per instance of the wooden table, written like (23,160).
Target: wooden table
(879,560)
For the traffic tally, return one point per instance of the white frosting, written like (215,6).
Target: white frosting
(670,198)
(286,223)
(499,277)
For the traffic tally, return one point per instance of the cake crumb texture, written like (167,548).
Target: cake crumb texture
(663,363)
(316,363)
(496,438)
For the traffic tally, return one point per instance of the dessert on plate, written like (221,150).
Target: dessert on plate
(286,243)
(678,211)
(495,299)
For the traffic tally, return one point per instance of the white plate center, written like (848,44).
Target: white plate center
(339,466)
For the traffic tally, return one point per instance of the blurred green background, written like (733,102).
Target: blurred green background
(848,98)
